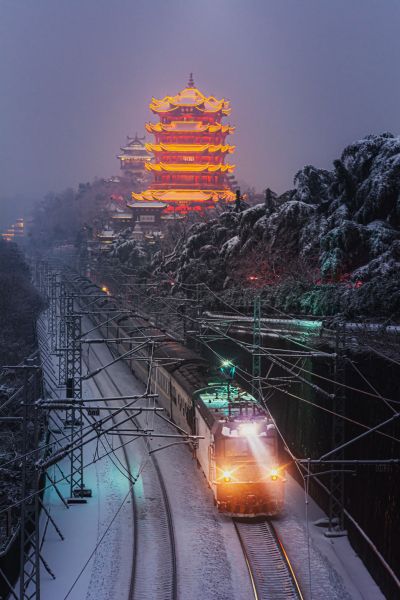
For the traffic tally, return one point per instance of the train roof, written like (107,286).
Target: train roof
(188,369)
(217,402)
(192,372)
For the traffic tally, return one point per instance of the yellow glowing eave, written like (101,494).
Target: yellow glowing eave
(190,98)
(184,167)
(129,158)
(197,127)
(183,196)
(209,109)
(188,148)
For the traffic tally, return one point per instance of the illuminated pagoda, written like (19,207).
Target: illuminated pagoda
(189,166)
(134,156)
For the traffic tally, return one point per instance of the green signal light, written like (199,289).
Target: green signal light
(228,369)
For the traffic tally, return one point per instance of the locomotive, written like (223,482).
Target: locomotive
(238,446)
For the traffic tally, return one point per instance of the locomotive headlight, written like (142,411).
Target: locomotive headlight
(274,474)
(227,476)
(248,429)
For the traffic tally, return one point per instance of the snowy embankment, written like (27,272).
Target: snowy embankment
(86,569)
(326,568)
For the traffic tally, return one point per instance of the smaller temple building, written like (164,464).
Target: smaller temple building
(148,215)
(134,157)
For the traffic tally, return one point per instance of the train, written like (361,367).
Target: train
(238,445)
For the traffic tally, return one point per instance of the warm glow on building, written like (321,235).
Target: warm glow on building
(16,230)
(189,151)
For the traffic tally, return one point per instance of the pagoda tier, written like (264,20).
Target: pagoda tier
(190,148)
(188,127)
(189,151)
(185,197)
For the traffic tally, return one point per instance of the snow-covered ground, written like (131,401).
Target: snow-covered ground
(209,558)
(210,562)
(107,573)
(334,571)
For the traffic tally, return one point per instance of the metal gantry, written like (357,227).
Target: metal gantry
(256,356)
(52,321)
(29,584)
(336,498)
(62,336)
(32,430)
(73,418)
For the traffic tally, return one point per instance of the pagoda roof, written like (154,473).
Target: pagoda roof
(135,145)
(144,203)
(142,157)
(189,167)
(122,215)
(209,148)
(190,97)
(184,196)
(135,142)
(188,127)
(106,234)
(139,150)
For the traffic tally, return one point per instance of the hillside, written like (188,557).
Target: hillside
(331,245)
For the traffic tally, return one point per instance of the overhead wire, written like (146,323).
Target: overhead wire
(289,365)
(66,477)
(353,421)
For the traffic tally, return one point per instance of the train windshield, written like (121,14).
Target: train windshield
(257,448)
(237,447)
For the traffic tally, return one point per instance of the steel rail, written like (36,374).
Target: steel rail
(133,500)
(271,573)
(167,506)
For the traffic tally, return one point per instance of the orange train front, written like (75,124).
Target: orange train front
(239,452)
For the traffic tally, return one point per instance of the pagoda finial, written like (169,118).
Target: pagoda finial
(191,82)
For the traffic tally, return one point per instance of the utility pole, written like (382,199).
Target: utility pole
(29,527)
(256,355)
(62,336)
(73,420)
(52,309)
(336,498)
(198,315)
(30,557)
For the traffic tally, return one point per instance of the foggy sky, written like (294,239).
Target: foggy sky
(305,78)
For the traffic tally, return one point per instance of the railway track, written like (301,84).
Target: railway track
(132,494)
(159,536)
(270,571)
